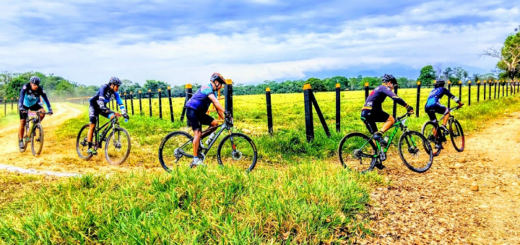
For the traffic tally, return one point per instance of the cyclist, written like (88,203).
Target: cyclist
(197,107)
(373,112)
(98,106)
(30,100)
(433,106)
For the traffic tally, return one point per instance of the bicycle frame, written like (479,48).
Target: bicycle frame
(204,150)
(36,120)
(114,121)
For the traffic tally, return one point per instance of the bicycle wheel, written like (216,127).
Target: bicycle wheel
(82,144)
(37,140)
(457,135)
(176,147)
(356,152)
(117,146)
(25,139)
(237,150)
(415,151)
(428,130)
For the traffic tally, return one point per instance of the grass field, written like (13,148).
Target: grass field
(298,193)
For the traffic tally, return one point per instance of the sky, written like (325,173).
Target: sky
(179,42)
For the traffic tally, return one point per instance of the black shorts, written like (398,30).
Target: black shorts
(34,107)
(435,108)
(197,118)
(370,117)
(94,111)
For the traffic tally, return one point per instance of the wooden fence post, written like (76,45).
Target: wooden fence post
(140,104)
(229,96)
(189,93)
(460,90)
(469,93)
(5,106)
(320,115)
(394,112)
(309,126)
(449,89)
(269,110)
(132,102)
(170,101)
(495,94)
(366,91)
(126,107)
(160,104)
(338,107)
(150,100)
(12,104)
(485,81)
(503,87)
(478,91)
(418,98)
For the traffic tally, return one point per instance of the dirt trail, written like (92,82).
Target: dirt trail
(471,197)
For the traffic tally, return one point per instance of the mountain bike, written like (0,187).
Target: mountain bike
(361,153)
(34,132)
(454,129)
(235,149)
(117,144)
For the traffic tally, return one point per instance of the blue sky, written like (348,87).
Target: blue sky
(248,41)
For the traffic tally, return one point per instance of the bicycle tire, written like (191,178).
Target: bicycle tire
(114,139)
(455,125)
(413,149)
(37,136)
(429,134)
(167,154)
(24,139)
(81,143)
(238,155)
(355,153)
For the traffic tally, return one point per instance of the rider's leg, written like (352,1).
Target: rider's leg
(389,122)
(42,116)
(196,142)
(445,118)
(22,129)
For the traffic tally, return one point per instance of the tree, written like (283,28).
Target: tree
(508,55)
(155,85)
(427,75)
(316,84)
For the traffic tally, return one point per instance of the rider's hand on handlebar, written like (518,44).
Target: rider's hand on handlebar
(126,116)
(50,112)
(409,109)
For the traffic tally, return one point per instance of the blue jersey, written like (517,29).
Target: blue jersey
(200,100)
(29,97)
(104,95)
(436,95)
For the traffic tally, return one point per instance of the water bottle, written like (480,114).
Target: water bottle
(210,138)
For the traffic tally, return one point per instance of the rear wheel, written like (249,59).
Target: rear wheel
(428,130)
(415,151)
(37,140)
(176,147)
(237,150)
(117,147)
(457,135)
(357,152)
(82,144)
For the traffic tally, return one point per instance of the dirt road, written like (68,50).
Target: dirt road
(471,197)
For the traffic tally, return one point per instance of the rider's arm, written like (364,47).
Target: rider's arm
(220,108)
(396,98)
(22,96)
(44,96)
(450,95)
(120,103)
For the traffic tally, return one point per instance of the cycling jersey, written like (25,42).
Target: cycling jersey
(378,96)
(437,94)
(29,97)
(200,100)
(98,103)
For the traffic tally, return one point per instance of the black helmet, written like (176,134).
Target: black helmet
(218,77)
(115,81)
(35,80)
(439,83)
(389,79)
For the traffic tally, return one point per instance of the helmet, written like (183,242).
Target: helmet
(439,83)
(115,81)
(389,79)
(218,77)
(35,80)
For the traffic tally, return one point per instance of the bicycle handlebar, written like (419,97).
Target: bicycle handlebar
(404,116)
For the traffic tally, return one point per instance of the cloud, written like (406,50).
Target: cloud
(185,41)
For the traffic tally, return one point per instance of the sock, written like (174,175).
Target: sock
(195,159)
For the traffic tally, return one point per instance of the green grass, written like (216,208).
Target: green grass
(295,194)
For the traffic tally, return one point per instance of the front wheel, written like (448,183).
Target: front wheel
(175,148)
(415,151)
(429,131)
(237,150)
(357,152)
(37,140)
(117,147)
(82,144)
(457,135)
